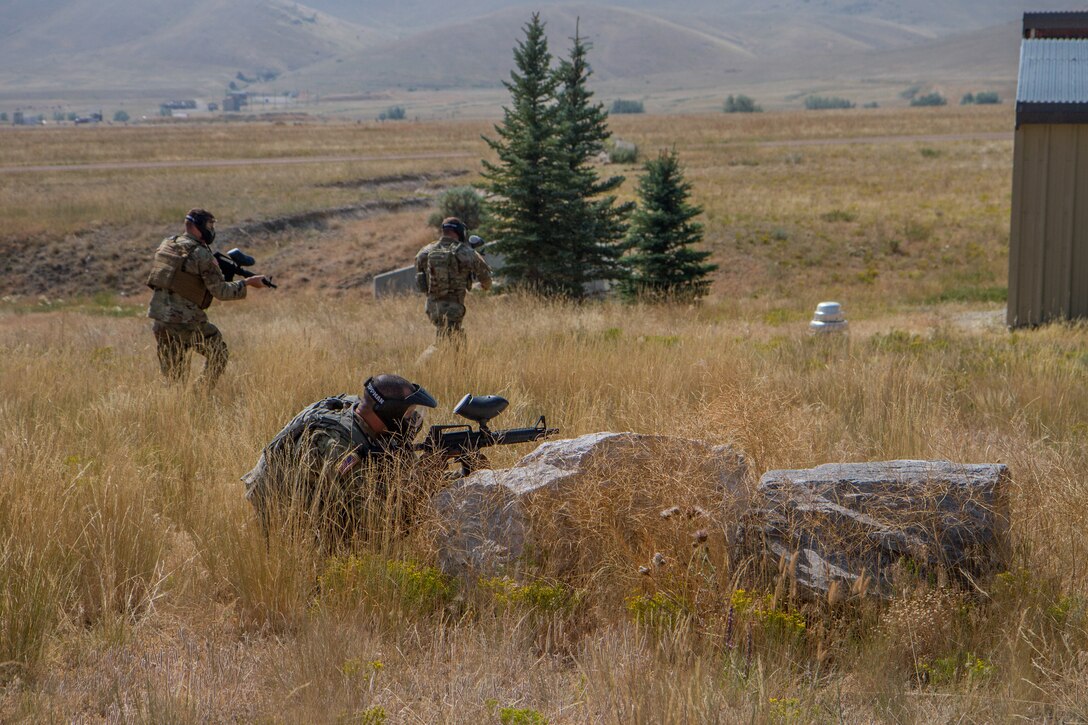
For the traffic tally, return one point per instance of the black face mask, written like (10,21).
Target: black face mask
(206,234)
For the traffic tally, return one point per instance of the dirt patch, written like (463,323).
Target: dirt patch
(396,180)
(337,249)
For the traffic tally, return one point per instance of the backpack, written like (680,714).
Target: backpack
(335,415)
(168,273)
(443,279)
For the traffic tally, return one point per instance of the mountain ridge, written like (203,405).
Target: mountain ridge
(55,47)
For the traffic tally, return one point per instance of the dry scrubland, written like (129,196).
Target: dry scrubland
(135,587)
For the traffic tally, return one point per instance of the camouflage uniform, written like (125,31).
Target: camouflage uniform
(445,284)
(320,466)
(180,325)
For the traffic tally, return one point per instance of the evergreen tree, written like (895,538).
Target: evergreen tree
(590,235)
(529,180)
(662,261)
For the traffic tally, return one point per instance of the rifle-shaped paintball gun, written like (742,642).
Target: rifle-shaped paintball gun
(233,262)
(461,443)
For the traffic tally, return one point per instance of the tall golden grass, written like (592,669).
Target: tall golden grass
(136,585)
(129,550)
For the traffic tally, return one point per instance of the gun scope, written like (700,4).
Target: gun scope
(480,408)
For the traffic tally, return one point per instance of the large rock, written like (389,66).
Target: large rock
(562,507)
(850,527)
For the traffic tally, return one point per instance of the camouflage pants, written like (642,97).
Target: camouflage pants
(174,342)
(446,315)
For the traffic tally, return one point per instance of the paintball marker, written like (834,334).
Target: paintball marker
(233,262)
(461,443)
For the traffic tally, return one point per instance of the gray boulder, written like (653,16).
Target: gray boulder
(559,509)
(851,528)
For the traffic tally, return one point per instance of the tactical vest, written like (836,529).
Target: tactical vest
(335,415)
(168,273)
(443,270)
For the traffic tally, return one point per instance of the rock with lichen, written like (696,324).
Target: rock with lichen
(853,528)
(560,509)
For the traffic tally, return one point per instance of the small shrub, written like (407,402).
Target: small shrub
(521,716)
(346,581)
(657,609)
(121,117)
(778,623)
(540,596)
(871,104)
(929,99)
(987,98)
(463,202)
(839,215)
(930,153)
(624,106)
(822,103)
(622,152)
(422,587)
(393,113)
(741,104)
(910,93)
(953,668)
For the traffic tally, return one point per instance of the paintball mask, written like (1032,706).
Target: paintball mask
(456,226)
(204,221)
(398,413)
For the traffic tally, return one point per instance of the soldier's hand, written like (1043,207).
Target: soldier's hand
(257,280)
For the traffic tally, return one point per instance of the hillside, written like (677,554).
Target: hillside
(118,44)
(62,49)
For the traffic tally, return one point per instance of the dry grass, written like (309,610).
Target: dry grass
(125,515)
(135,584)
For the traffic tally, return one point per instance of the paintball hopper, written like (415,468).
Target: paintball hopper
(241,258)
(475,241)
(480,408)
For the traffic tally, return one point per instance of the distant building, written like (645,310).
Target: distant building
(1048,237)
(235,101)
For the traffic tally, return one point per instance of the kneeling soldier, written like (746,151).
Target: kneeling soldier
(339,461)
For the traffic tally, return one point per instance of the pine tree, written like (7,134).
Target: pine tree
(590,235)
(528,182)
(662,261)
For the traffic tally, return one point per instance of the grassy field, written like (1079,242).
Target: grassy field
(135,586)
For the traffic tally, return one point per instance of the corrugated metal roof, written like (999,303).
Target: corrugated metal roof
(1053,71)
(1048,24)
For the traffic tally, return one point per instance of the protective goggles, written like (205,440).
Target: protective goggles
(392,410)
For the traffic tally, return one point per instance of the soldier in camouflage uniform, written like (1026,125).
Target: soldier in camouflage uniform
(331,465)
(445,270)
(185,277)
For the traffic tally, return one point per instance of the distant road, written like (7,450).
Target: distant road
(283,160)
(203,164)
(931,138)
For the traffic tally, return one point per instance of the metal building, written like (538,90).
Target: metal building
(1048,240)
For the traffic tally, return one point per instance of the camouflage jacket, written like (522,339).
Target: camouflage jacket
(324,442)
(470,266)
(167,306)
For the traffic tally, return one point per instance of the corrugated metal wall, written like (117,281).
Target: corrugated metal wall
(1048,243)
